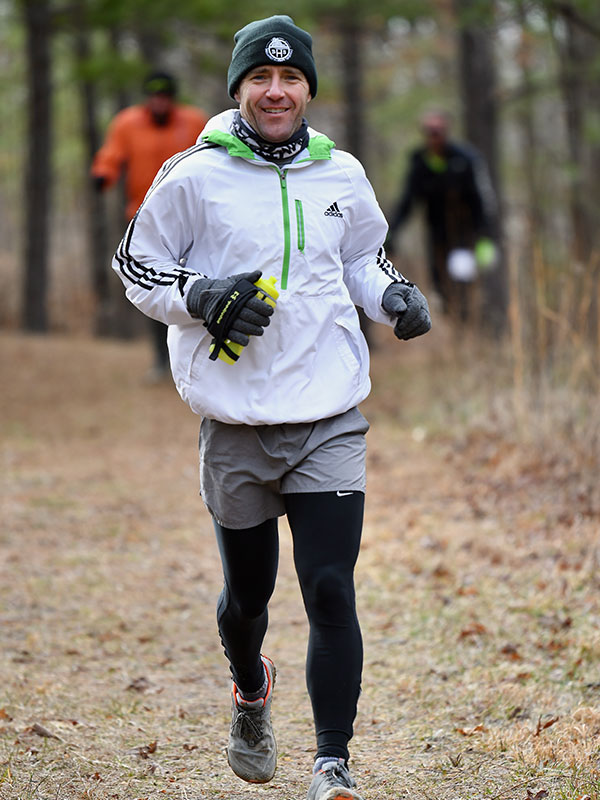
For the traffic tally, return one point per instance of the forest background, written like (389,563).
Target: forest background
(484,507)
(519,76)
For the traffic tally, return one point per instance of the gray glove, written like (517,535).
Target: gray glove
(405,301)
(207,295)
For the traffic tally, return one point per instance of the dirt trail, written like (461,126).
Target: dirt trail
(477,589)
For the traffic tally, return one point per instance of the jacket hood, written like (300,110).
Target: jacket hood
(220,122)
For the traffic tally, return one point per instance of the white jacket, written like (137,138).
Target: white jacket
(216,210)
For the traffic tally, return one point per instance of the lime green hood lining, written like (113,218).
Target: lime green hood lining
(319,147)
(235,147)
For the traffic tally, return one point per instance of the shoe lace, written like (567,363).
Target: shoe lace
(338,775)
(248,726)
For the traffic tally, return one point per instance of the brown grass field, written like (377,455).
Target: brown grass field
(478,591)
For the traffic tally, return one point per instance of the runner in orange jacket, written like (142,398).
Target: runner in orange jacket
(138,141)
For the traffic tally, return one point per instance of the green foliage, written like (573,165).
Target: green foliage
(12,99)
(411,70)
(410,54)
(476,12)
(110,71)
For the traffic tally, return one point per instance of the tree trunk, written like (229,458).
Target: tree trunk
(575,63)
(353,106)
(478,86)
(37,18)
(530,286)
(126,322)
(578,49)
(352,86)
(96,208)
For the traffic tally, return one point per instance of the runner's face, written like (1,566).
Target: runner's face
(160,104)
(435,132)
(273,100)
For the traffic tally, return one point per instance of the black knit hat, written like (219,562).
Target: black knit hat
(277,41)
(160,83)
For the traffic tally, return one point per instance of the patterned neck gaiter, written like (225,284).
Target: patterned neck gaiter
(271,151)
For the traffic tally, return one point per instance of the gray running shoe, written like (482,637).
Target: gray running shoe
(252,750)
(333,782)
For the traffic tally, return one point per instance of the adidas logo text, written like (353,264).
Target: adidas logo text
(333,211)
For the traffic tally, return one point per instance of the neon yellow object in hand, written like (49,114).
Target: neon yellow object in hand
(269,294)
(486,254)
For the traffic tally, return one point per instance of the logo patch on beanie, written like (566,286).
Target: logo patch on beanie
(278,49)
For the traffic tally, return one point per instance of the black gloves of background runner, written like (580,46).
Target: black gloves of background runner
(206,296)
(405,301)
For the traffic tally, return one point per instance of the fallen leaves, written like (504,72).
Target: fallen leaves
(541,726)
(539,795)
(473,630)
(555,622)
(515,713)
(554,645)
(467,591)
(140,684)
(511,652)
(40,730)
(426,549)
(146,750)
(441,572)
(471,731)
(521,677)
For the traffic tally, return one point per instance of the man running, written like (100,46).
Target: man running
(450,181)
(138,141)
(265,194)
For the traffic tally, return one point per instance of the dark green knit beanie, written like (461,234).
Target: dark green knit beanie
(275,40)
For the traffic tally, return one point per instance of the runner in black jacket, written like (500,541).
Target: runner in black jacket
(452,183)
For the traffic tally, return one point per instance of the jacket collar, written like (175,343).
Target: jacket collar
(217,132)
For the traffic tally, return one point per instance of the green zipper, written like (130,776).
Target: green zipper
(286,230)
(319,148)
(300,223)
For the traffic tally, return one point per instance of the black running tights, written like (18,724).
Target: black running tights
(326,529)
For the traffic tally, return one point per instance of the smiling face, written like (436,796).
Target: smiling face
(273,100)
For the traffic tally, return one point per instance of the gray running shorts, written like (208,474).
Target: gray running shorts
(245,469)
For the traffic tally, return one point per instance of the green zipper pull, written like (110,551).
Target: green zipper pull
(300,224)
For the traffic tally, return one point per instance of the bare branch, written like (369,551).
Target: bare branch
(567,11)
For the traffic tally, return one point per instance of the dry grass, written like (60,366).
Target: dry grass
(478,591)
